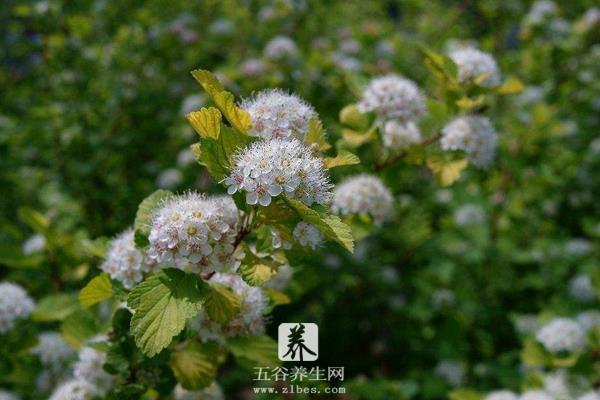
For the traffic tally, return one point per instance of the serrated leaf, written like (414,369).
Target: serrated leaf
(259,350)
(97,290)
(254,270)
(207,122)
(143,217)
(330,225)
(343,158)
(78,327)
(446,172)
(208,81)
(195,366)
(221,303)
(316,135)
(238,118)
(351,116)
(511,85)
(277,297)
(163,303)
(55,308)
(35,220)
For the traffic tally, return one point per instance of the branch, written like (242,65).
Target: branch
(392,160)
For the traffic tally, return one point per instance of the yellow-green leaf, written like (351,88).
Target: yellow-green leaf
(208,81)
(78,327)
(221,303)
(467,104)
(446,172)
(55,307)
(238,118)
(97,290)
(277,298)
(316,135)
(511,86)
(258,350)
(207,122)
(357,139)
(351,116)
(143,217)
(464,394)
(195,366)
(343,158)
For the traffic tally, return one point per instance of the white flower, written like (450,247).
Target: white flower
(54,353)
(276,114)
(443,298)
(364,195)
(213,392)
(124,262)
(540,11)
(582,289)
(450,371)
(88,368)
(578,247)
(535,395)
(221,27)
(281,47)
(501,395)
(15,304)
(280,281)
(74,390)
(307,235)
(591,395)
(267,169)
(397,135)
(249,320)
(194,233)
(34,244)
(393,97)
(474,135)
(185,157)
(169,178)
(253,67)
(469,214)
(476,65)
(561,334)
(278,242)
(590,19)
(4,395)
(588,319)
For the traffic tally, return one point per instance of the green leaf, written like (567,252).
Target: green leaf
(357,139)
(511,85)
(533,354)
(55,308)
(195,366)
(353,118)
(79,327)
(97,290)
(330,225)
(143,217)
(277,298)
(208,81)
(35,220)
(343,158)
(316,135)
(467,104)
(259,350)
(163,303)
(446,172)
(207,122)
(221,303)
(464,394)
(254,270)
(435,118)
(238,118)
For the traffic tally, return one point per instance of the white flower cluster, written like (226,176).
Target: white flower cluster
(393,97)
(540,12)
(364,195)
(561,334)
(476,65)
(53,352)
(281,47)
(469,214)
(399,136)
(249,320)
(4,395)
(74,390)
(194,232)
(124,262)
(34,244)
(269,168)
(501,395)
(88,368)
(276,114)
(588,319)
(474,135)
(450,371)
(253,67)
(536,395)
(582,289)
(15,304)
(307,235)
(213,392)
(591,395)
(283,277)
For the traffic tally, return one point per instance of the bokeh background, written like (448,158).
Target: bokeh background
(445,296)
